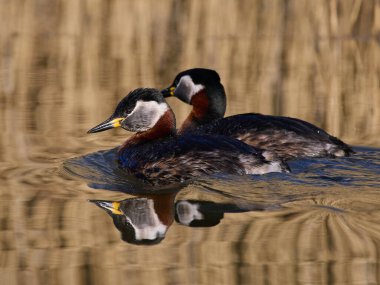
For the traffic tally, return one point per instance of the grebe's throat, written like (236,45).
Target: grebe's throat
(208,106)
(164,127)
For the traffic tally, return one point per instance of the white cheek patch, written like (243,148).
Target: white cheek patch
(187,88)
(147,113)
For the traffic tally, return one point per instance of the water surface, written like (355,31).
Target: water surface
(318,224)
(64,65)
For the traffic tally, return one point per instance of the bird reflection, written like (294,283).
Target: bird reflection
(144,220)
(197,213)
(193,214)
(141,220)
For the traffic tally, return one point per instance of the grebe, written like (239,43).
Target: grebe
(158,156)
(142,220)
(287,137)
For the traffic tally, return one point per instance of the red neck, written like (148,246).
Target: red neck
(164,127)
(201,104)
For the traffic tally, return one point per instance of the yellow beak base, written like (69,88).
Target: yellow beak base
(106,125)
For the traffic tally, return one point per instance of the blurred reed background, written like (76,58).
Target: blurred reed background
(64,64)
(315,60)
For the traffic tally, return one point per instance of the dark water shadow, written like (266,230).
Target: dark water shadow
(101,171)
(308,177)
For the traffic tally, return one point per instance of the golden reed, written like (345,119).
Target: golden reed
(315,60)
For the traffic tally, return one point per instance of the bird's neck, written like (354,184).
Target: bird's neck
(164,127)
(164,207)
(208,105)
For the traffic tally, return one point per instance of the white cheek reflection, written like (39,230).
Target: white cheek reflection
(188,212)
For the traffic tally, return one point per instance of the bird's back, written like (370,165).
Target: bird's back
(287,137)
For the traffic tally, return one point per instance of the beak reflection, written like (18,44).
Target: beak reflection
(111,207)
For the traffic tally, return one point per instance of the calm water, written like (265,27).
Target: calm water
(70,217)
(318,224)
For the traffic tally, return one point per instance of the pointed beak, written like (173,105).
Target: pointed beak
(109,206)
(106,125)
(168,92)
